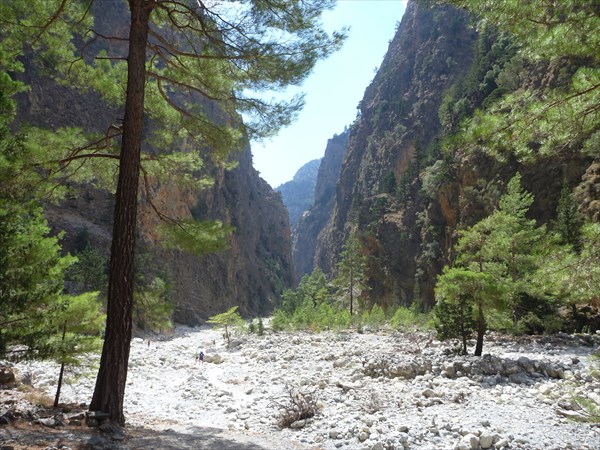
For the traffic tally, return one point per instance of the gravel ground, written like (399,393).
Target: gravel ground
(372,391)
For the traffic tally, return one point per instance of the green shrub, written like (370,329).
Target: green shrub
(408,319)
(375,318)
(260,328)
(281,320)
(529,324)
(342,319)
(553,323)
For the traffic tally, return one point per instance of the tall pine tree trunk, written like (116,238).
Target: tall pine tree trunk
(112,375)
(480,330)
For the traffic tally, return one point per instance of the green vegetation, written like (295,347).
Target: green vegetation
(532,94)
(228,320)
(568,220)
(509,269)
(258,327)
(31,275)
(78,326)
(310,306)
(318,304)
(315,305)
(180,98)
(410,319)
(89,272)
(37,320)
(560,116)
(483,84)
(31,265)
(351,279)
(495,263)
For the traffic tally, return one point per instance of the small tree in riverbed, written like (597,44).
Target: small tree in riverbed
(495,264)
(78,323)
(351,280)
(463,297)
(227,320)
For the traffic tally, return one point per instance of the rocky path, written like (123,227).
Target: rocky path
(372,392)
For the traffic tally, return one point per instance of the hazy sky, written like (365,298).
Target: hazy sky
(333,89)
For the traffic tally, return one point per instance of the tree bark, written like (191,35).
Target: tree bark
(62,371)
(463,325)
(112,375)
(59,385)
(480,330)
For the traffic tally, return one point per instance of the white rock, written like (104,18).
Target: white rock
(334,434)
(469,442)
(486,439)
(213,359)
(298,424)
(429,393)
(501,443)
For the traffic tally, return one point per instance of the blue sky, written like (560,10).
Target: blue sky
(333,89)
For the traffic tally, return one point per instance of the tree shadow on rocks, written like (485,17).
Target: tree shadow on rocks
(200,438)
(21,435)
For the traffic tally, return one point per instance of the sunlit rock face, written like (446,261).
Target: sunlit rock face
(312,221)
(398,117)
(408,225)
(250,273)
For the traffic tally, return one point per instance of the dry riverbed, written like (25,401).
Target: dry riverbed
(372,391)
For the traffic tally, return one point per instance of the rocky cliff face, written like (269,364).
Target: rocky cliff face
(251,273)
(398,119)
(298,194)
(255,268)
(392,189)
(313,221)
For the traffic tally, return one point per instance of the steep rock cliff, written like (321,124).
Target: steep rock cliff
(398,119)
(313,221)
(254,269)
(404,196)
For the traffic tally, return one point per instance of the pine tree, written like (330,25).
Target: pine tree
(78,323)
(389,185)
(351,279)
(568,221)
(31,265)
(463,296)
(496,261)
(312,291)
(574,277)
(182,58)
(227,320)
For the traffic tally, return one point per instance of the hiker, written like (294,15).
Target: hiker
(201,357)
